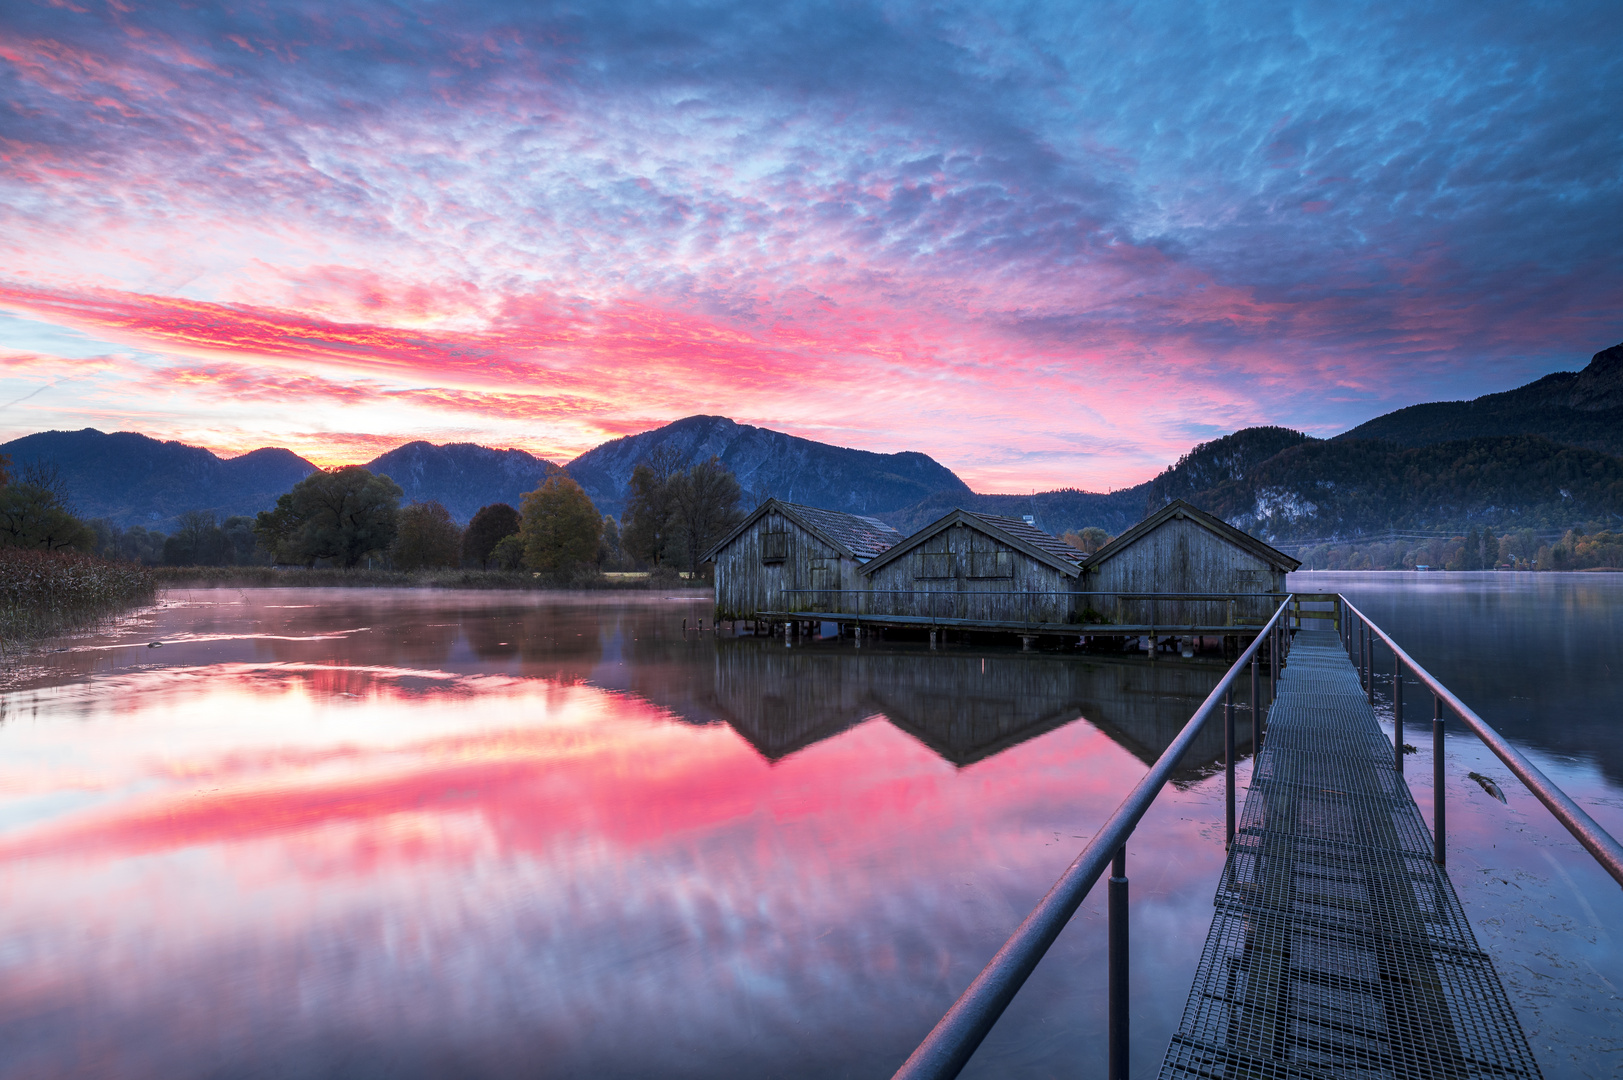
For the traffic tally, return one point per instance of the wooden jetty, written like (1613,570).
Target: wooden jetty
(1339,948)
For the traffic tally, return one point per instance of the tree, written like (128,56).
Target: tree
(508,554)
(705,499)
(342,514)
(1089,540)
(34,512)
(199,541)
(559,526)
(490,525)
(609,555)
(649,531)
(426,539)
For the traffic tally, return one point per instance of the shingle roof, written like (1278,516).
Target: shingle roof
(856,536)
(864,537)
(1031,535)
(1177,508)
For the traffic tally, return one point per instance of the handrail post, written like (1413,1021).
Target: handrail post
(1397,712)
(1256,708)
(1118,966)
(1370,689)
(1228,764)
(1438,799)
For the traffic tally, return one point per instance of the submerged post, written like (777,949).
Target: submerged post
(1118,966)
(1438,844)
(1228,764)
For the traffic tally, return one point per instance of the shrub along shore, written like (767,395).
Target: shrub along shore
(45,593)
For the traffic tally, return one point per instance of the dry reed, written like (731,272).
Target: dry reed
(44,593)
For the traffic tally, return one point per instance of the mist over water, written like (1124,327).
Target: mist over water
(368,833)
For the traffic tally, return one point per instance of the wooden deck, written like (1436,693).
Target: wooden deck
(1338,948)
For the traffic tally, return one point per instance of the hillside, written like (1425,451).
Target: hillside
(462,477)
(1346,488)
(1583,408)
(770,464)
(1054,511)
(133,479)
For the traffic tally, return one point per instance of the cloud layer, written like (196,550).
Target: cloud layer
(1048,246)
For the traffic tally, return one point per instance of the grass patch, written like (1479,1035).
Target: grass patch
(45,593)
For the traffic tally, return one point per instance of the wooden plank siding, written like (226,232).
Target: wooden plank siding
(776,560)
(963,572)
(1178,550)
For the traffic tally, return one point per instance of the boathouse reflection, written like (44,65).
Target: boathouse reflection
(964,705)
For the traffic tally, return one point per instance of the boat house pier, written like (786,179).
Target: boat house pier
(1338,947)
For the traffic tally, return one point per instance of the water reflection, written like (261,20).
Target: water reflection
(417,834)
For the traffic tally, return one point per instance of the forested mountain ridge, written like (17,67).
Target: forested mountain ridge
(462,477)
(133,479)
(770,464)
(1577,408)
(1335,488)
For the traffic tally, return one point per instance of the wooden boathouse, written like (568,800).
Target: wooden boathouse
(975,568)
(790,557)
(1184,567)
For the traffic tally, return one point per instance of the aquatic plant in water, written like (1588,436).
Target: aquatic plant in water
(52,592)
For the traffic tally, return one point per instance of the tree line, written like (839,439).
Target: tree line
(349,517)
(1584,548)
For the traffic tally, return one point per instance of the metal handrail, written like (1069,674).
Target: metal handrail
(954,1039)
(1596,840)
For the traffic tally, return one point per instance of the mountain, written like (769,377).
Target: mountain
(1347,488)
(1576,408)
(1211,464)
(462,477)
(1052,511)
(770,464)
(133,479)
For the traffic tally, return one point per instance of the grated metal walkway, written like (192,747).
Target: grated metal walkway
(1338,947)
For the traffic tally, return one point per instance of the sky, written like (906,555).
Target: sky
(1051,245)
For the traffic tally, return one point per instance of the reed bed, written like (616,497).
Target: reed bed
(44,593)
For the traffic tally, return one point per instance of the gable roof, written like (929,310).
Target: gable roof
(1023,537)
(1177,508)
(852,535)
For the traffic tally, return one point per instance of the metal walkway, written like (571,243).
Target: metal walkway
(1338,947)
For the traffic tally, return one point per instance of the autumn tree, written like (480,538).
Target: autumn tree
(341,514)
(1089,540)
(426,538)
(489,526)
(559,526)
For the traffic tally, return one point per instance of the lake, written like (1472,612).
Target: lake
(371,832)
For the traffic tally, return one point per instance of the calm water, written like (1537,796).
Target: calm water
(368,833)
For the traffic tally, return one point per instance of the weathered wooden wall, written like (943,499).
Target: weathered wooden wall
(747,583)
(1033,591)
(1182,556)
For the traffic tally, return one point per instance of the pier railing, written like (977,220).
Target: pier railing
(951,1043)
(1360,633)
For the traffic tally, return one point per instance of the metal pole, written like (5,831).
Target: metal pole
(1118,966)
(1397,712)
(1370,689)
(1256,708)
(1228,763)
(1439,829)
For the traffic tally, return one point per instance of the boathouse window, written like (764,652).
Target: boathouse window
(774,546)
(990,564)
(935,564)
